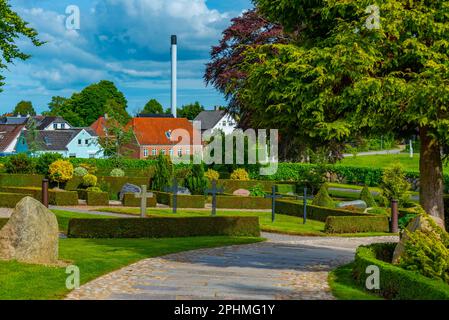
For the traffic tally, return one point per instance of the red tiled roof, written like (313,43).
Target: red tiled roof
(8,133)
(99,126)
(153,131)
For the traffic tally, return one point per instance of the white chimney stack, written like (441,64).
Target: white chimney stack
(174,69)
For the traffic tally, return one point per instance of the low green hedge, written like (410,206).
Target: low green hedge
(357,224)
(97,199)
(164,227)
(9,200)
(194,202)
(396,283)
(21,180)
(35,192)
(233,202)
(63,198)
(296,209)
(286,188)
(3,221)
(130,200)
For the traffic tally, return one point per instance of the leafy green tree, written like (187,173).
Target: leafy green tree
(190,111)
(153,107)
(24,108)
(118,142)
(55,106)
(45,160)
(117,111)
(164,173)
(12,28)
(344,75)
(395,185)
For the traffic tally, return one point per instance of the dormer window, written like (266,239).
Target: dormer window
(55,126)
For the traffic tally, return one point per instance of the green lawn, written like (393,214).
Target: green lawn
(344,287)
(64,217)
(382,161)
(284,224)
(94,258)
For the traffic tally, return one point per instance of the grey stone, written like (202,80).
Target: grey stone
(129,188)
(358,204)
(242,193)
(184,191)
(31,234)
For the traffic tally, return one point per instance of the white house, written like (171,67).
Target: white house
(216,120)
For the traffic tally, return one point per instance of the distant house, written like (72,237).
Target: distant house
(9,135)
(14,120)
(215,120)
(70,143)
(153,137)
(51,123)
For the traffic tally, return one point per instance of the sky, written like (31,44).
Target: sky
(124,41)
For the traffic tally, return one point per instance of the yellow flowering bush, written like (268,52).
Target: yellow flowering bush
(212,175)
(240,174)
(60,171)
(89,180)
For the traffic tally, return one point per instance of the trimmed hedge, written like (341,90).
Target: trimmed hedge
(58,198)
(296,209)
(9,200)
(3,221)
(194,202)
(130,200)
(97,199)
(164,227)
(234,202)
(285,188)
(357,224)
(396,283)
(21,180)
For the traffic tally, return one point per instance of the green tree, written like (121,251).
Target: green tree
(24,108)
(55,106)
(196,182)
(153,107)
(190,111)
(343,75)
(118,142)
(117,111)
(395,185)
(12,28)
(164,173)
(85,107)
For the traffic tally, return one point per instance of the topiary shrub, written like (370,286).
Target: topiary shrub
(322,199)
(212,175)
(44,161)
(196,182)
(117,173)
(61,171)
(80,172)
(19,163)
(89,180)
(164,173)
(240,174)
(366,196)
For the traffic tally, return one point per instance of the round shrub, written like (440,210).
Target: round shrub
(45,160)
(80,172)
(19,163)
(89,180)
(117,173)
(322,199)
(60,171)
(94,189)
(240,174)
(212,175)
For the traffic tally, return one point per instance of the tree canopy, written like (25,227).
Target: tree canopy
(190,111)
(153,107)
(12,28)
(340,76)
(24,108)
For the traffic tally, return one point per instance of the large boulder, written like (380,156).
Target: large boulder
(31,234)
(420,223)
(129,188)
(242,193)
(356,204)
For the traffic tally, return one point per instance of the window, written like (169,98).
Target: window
(224,123)
(154,152)
(62,125)
(145,153)
(171,152)
(179,152)
(188,152)
(87,141)
(80,142)
(163,152)
(72,155)
(55,126)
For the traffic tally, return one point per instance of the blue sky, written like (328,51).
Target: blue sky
(125,41)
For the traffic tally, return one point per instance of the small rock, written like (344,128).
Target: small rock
(357,204)
(129,188)
(242,193)
(31,234)
(184,191)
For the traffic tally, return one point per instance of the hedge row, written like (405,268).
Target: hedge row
(21,180)
(232,202)
(164,227)
(9,200)
(58,198)
(357,224)
(396,283)
(130,200)
(97,199)
(183,201)
(296,209)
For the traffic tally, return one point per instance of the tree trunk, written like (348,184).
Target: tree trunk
(431,175)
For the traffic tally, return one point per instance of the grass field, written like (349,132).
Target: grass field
(382,161)
(344,287)
(64,217)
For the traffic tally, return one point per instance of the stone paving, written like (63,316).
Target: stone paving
(284,267)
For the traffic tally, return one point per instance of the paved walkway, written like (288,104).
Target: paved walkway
(284,267)
(373,153)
